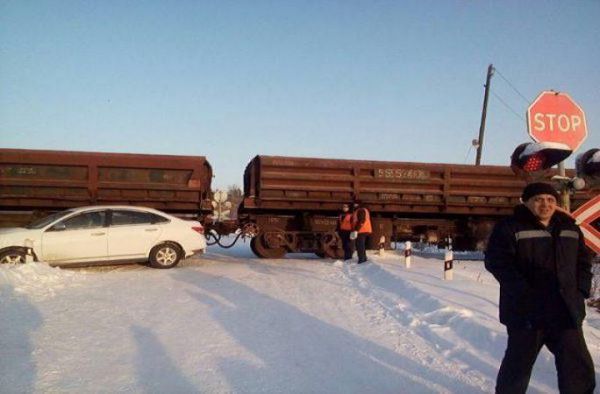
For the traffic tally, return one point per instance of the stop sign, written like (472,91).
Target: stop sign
(555,117)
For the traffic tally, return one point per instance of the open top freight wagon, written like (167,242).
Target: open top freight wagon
(294,202)
(39,181)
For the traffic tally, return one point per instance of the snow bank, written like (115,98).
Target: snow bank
(37,280)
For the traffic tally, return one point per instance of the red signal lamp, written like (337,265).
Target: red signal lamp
(534,163)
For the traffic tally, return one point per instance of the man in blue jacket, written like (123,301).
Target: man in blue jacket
(539,258)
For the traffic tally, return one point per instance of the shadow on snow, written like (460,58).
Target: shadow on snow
(297,352)
(19,319)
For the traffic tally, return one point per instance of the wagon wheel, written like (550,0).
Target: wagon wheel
(260,248)
(331,245)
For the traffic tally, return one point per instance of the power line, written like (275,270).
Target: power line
(467,155)
(511,85)
(508,106)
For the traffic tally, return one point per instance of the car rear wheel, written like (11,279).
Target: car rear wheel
(12,256)
(165,255)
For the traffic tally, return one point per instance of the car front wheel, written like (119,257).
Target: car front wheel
(12,256)
(165,255)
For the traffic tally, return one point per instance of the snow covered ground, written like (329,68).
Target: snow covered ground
(227,322)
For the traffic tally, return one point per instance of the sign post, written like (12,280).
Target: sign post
(556,117)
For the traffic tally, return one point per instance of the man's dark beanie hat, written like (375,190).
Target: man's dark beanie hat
(533,189)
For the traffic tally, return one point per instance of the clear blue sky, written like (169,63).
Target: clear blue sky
(381,80)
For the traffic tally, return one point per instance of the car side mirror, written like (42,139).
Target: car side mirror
(58,227)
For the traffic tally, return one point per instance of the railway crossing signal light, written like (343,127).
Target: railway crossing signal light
(588,167)
(532,157)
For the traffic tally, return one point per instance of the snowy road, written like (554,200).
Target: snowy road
(228,322)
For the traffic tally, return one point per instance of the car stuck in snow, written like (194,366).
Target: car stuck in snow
(104,235)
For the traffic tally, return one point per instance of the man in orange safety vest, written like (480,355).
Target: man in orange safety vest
(344,229)
(361,224)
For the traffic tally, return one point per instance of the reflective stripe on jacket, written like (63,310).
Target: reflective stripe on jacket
(361,221)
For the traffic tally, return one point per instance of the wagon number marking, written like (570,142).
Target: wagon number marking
(399,173)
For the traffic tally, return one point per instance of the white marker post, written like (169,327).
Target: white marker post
(382,245)
(448,264)
(407,253)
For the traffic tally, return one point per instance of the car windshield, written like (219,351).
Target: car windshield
(47,220)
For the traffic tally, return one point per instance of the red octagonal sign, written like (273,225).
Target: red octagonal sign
(555,117)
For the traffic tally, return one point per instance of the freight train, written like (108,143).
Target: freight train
(289,204)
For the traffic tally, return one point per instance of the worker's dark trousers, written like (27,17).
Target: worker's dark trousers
(347,244)
(572,359)
(361,247)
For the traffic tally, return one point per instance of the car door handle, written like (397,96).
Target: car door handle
(97,234)
(151,229)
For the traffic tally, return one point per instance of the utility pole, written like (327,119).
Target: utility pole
(490,72)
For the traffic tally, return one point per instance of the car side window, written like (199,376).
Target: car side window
(122,218)
(159,219)
(82,221)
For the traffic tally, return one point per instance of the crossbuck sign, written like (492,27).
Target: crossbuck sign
(587,217)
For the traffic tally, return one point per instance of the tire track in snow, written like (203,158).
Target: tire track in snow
(420,323)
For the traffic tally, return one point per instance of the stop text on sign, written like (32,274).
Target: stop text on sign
(556,122)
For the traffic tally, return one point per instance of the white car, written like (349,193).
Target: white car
(104,235)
